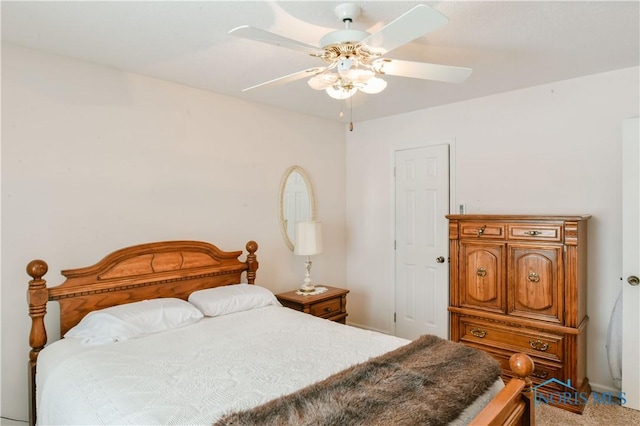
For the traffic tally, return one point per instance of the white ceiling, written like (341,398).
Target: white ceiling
(509,45)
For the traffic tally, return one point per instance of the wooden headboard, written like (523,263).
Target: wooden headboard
(146,271)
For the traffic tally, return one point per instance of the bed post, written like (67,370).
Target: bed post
(37,297)
(523,366)
(514,404)
(252,263)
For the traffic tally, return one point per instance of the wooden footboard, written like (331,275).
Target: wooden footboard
(514,404)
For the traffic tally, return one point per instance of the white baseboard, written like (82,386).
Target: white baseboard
(353,324)
(596,387)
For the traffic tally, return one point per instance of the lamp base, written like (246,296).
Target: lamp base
(307,286)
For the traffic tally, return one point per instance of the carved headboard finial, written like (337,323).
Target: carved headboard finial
(252,263)
(37,269)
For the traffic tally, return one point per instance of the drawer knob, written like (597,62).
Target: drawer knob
(478,333)
(538,345)
(533,277)
(533,233)
(481,230)
(540,374)
(327,309)
(481,272)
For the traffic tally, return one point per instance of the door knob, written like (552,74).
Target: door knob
(633,280)
(440,259)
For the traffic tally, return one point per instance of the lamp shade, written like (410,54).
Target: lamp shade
(308,240)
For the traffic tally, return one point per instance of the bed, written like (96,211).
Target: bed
(236,362)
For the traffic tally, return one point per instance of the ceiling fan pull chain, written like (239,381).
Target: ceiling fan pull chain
(351,114)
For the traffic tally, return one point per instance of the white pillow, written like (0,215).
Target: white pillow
(228,299)
(133,320)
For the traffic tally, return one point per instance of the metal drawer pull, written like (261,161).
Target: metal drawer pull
(481,272)
(533,277)
(481,230)
(533,233)
(538,345)
(540,374)
(327,309)
(478,333)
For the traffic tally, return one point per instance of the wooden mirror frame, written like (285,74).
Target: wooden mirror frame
(288,239)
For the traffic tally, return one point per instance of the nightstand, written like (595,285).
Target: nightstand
(331,305)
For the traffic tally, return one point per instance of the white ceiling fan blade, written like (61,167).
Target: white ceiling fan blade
(263,36)
(287,78)
(408,27)
(423,70)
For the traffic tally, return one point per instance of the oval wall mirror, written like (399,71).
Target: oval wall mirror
(296,202)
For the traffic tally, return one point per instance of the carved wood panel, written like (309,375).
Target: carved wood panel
(535,282)
(482,276)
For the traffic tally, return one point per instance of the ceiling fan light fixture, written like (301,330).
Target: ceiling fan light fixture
(323,81)
(374,85)
(355,59)
(359,75)
(341,92)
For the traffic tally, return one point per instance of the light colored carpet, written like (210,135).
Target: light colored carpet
(593,415)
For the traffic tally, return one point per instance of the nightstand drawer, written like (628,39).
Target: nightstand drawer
(326,309)
(543,345)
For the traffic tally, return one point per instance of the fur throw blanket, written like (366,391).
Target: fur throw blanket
(427,382)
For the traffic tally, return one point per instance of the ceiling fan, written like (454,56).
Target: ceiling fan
(355,60)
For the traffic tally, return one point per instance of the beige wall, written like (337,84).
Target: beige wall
(553,149)
(94,159)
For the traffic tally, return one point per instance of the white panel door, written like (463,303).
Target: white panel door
(631,263)
(422,242)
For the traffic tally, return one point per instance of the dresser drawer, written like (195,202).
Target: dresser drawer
(482,230)
(327,308)
(514,339)
(535,232)
(542,372)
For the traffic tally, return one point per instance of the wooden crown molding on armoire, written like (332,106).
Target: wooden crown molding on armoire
(518,284)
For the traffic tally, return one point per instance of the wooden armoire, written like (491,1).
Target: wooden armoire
(518,284)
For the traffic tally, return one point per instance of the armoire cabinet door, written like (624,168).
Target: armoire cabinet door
(482,276)
(535,282)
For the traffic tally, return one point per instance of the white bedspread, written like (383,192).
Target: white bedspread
(195,374)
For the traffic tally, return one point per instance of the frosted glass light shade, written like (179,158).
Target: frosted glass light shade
(322,81)
(308,239)
(340,92)
(374,85)
(358,75)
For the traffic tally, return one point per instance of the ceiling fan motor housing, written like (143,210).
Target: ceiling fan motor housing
(342,37)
